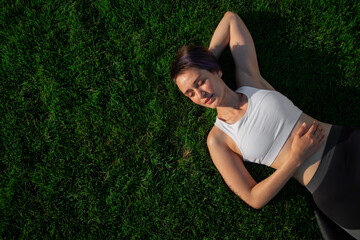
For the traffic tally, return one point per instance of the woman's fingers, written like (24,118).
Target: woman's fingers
(313,128)
(317,131)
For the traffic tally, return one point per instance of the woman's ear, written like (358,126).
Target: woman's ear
(219,73)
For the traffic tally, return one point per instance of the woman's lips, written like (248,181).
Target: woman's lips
(209,99)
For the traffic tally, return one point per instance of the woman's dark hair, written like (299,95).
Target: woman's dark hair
(193,57)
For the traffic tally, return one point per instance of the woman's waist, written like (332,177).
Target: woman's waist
(308,168)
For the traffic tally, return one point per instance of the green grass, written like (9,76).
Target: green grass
(96,142)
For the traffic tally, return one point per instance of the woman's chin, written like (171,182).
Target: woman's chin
(212,105)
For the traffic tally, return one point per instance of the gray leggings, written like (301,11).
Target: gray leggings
(335,187)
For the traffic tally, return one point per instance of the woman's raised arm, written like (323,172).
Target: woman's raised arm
(232,30)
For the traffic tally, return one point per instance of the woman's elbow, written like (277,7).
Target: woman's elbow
(256,206)
(256,203)
(229,13)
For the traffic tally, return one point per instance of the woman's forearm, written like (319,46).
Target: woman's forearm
(265,190)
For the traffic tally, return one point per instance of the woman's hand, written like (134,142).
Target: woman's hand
(306,143)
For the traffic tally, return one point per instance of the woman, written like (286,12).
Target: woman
(257,124)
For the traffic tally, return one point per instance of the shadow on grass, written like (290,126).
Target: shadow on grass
(308,75)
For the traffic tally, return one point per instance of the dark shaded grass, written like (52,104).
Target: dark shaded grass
(97,142)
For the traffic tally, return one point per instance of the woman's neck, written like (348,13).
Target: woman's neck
(230,104)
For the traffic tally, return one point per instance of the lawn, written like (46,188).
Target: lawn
(96,141)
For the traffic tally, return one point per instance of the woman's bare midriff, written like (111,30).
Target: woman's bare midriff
(307,170)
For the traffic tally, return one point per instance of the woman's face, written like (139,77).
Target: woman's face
(201,86)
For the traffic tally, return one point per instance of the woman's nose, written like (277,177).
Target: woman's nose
(200,93)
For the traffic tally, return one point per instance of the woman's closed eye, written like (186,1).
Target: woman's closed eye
(201,82)
(190,94)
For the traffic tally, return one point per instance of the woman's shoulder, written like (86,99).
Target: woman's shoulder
(215,136)
(218,138)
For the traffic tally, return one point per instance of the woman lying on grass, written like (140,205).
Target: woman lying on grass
(255,123)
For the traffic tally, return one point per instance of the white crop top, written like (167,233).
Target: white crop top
(263,130)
